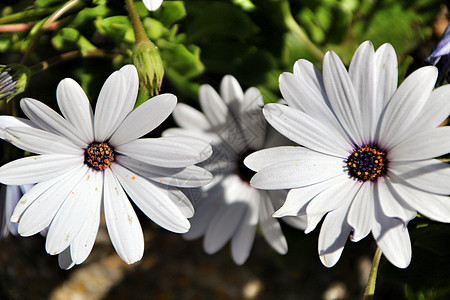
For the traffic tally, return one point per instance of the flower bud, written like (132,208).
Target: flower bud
(149,64)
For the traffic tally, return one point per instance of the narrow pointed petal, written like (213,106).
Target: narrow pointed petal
(424,145)
(392,238)
(112,106)
(405,106)
(76,108)
(123,225)
(10,121)
(153,202)
(391,202)
(190,176)
(360,215)
(295,174)
(433,206)
(49,120)
(39,168)
(165,152)
(84,242)
(242,240)
(12,194)
(72,213)
(41,142)
(429,175)
(298,198)
(363,73)
(333,236)
(270,227)
(144,119)
(343,97)
(264,158)
(231,93)
(64,260)
(386,66)
(41,212)
(306,131)
(190,118)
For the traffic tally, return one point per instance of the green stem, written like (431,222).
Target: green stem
(26,14)
(370,287)
(293,26)
(46,25)
(138,29)
(65,56)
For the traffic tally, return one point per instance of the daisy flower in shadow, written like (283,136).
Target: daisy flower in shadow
(229,208)
(366,162)
(89,160)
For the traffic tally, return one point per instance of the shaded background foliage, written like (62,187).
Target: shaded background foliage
(200,41)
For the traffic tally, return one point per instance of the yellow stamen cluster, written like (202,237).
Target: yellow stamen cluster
(99,156)
(367,163)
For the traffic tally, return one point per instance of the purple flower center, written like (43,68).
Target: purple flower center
(367,163)
(99,156)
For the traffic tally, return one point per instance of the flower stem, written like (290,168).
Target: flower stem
(370,287)
(50,20)
(65,56)
(293,26)
(138,29)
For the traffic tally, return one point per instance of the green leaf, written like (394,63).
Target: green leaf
(69,38)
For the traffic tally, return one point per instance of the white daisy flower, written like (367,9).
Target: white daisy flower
(152,5)
(87,160)
(366,161)
(230,209)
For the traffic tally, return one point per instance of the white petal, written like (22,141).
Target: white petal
(84,242)
(405,106)
(165,152)
(342,191)
(270,227)
(73,212)
(343,97)
(231,93)
(113,105)
(386,68)
(76,108)
(214,108)
(360,215)
(436,109)
(433,206)
(41,142)
(424,145)
(64,260)
(190,118)
(38,168)
(151,200)
(392,238)
(252,120)
(41,212)
(179,198)
(429,175)
(131,75)
(298,198)
(10,121)
(333,235)
(29,197)
(306,131)
(12,197)
(295,174)
(391,202)
(152,5)
(49,120)
(144,119)
(362,71)
(242,240)
(191,176)
(123,225)
(264,158)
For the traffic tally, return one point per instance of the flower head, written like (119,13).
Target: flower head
(230,209)
(152,5)
(13,80)
(366,162)
(91,160)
